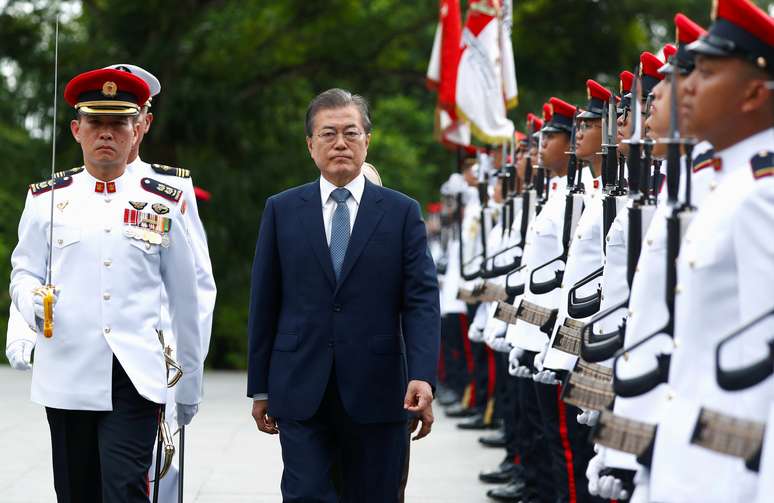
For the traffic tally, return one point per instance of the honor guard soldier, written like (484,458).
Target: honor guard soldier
(724,268)
(102,374)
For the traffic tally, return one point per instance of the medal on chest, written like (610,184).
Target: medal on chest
(148,227)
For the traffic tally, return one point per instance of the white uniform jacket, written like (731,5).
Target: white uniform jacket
(205,282)
(111,282)
(544,243)
(584,257)
(725,276)
(647,311)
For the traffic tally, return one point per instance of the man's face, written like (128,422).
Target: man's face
(588,138)
(521,163)
(554,147)
(711,94)
(657,123)
(469,174)
(106,140)
(338,144)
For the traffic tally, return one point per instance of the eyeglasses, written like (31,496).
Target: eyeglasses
(585,126)
(332,136)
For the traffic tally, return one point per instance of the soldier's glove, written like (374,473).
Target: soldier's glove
(37,304)
(596,464)
(500,345)
(185,413)
(543,376)
(589,418)
(475,334)
(19,354)
(611,487)
(515,368)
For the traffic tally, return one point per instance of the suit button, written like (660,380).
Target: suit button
(336,308)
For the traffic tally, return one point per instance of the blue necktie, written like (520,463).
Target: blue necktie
(339,229)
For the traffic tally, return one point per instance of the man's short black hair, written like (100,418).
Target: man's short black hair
(337,98)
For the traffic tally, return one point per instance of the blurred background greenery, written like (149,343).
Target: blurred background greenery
(237,76)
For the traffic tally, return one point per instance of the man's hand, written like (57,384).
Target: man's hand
(419,400)
(266,423)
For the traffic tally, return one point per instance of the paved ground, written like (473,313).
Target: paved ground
(227,460)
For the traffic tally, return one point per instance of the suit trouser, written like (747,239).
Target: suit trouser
(371,456)
(455,364)
(103,457)
(569,445)
(531,439)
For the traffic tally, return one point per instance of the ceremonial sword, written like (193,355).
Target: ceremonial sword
(47,291)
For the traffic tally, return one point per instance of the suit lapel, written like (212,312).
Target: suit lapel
(369,214)
(311,218)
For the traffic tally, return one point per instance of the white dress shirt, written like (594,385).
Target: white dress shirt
(355,188)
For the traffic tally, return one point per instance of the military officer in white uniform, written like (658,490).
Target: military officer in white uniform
(102,375)
(724,268)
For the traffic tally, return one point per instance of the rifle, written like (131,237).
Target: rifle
(750,375)
(679,216)
(573,207)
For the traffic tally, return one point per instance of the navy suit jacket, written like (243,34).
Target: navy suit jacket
(379,325)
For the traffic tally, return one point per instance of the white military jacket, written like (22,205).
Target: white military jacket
(584,257)
(543,243)
(117,246)
(647,308)
(725,277)
(205,281)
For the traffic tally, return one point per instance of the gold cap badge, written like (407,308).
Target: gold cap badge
(109,89)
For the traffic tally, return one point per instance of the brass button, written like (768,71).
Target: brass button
(108,263)
(650,242)
(691,264)
(107,229)
(107,330)
(147,246)
(106,295)
(678,289)
(713,185)
(59,242)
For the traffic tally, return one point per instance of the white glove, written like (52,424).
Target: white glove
(515,368)
(500,345)
(596,464)
(475,334)
(37,304)
(185,413)
(588,417)
(19,354)
(544,376)
(612,488)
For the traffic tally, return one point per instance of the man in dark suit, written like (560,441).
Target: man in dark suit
(344,318)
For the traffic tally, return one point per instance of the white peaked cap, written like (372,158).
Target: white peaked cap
(148,77)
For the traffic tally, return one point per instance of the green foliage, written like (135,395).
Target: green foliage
(237,76)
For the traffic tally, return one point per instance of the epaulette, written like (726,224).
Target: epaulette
(762,164)
(170,171)
(69,172)
(161,189)
(703,160)
(43,187)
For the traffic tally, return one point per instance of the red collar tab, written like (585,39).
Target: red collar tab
(109,187)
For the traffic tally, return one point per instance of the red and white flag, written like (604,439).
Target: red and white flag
(442,74)
(481,89)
